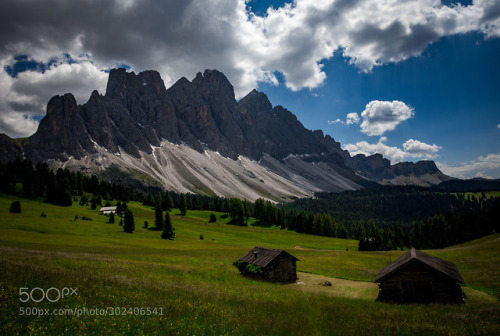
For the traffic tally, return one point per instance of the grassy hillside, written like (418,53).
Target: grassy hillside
(192,283)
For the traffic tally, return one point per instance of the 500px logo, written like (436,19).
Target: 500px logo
(52,294)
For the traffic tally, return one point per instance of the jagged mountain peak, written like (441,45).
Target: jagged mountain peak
(59,111)
(138,115)
(214,84)
(121,83)
(256,102)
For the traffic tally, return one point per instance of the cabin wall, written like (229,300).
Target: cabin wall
(420,284)
(282,269)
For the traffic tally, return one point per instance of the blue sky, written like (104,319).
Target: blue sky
(454,88)
(410,80)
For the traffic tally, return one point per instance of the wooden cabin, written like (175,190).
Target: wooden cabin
(108,210)
(277,265)
(417,277)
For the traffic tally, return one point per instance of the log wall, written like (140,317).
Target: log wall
(282,269)
(420,284)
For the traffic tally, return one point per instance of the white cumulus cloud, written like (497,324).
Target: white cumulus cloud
(382,116)
(483,166)
(352,118)
(336,121)
(26,96)
(180,38)
(417,148)
(394,154)
(412,149)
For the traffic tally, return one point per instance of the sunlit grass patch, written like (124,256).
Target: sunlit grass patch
(199,291)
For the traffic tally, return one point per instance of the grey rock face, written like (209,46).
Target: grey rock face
(138,112)
(10,150)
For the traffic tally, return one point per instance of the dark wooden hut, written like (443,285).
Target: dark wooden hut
(420,278)
(276,265)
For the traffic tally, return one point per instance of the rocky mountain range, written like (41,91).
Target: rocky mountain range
(196,137)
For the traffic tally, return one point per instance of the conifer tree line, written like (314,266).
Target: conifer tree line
(58,187)
(381,218)
(389,217)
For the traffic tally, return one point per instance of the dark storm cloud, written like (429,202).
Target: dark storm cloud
(75,41)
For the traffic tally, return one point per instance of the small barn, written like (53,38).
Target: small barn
(270,264)
(417,277)
(108,210)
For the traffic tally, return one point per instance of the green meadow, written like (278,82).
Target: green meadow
(140,284)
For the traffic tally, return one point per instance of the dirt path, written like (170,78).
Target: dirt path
(339,287)
(363,290)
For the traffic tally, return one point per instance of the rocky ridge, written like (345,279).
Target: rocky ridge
(139,118)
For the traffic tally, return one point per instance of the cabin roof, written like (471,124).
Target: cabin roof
(262,256)
(111,208)
(441,266)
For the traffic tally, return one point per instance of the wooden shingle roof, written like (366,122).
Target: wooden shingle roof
(262,256)
(439,265)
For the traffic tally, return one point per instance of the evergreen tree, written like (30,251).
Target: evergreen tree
(51,189)
(15,207)
(158,198)
(28,181)
(398,237)
(237,212)
(299,223)
(292,222)
(64,195)
(183,205)
(158,217)
(316,226)
(342,233)
(111,218)
(168,231)
(246,211)
(129,223)
(225,205)
(270,213)
(93,203)
(118,208)
(79,183)
(169,203)
(213,219)
(282,220)
(259,210)
(149,200)
(326,226)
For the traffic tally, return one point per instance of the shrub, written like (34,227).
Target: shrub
(256,271)
(213,219)
(15,207)
(250,269)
